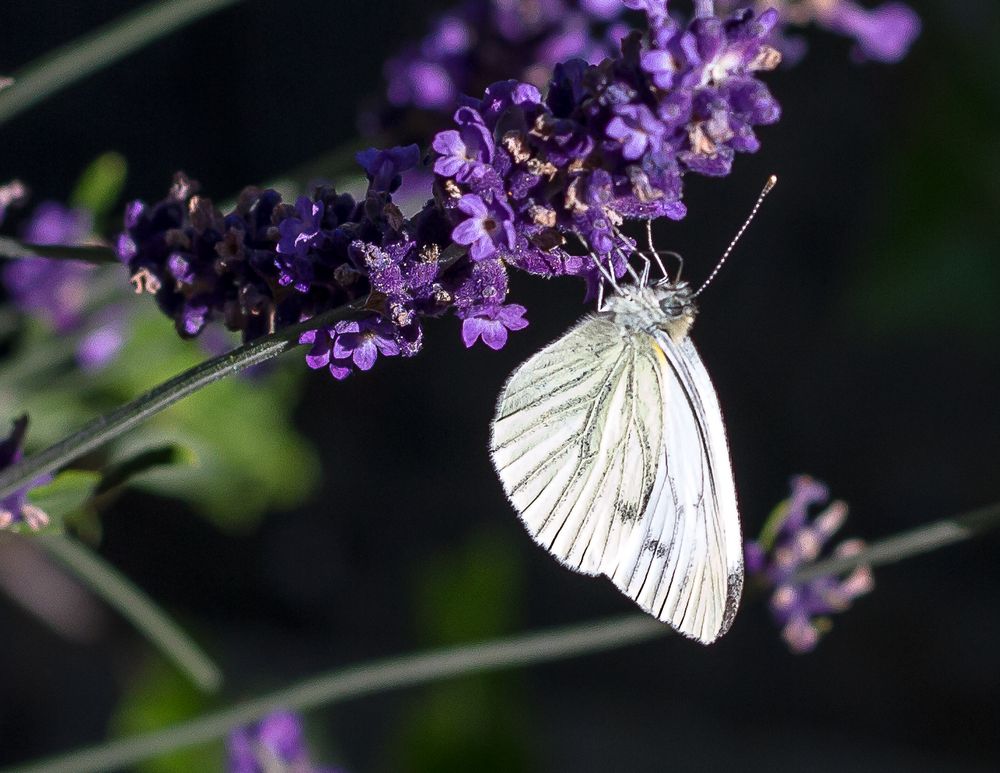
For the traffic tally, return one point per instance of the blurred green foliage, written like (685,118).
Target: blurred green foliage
(157,697)
(475,593)
(100,186)
(238,455)
(934,259)
(248,457)
(64,496)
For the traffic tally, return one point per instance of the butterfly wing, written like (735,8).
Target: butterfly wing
(688,567)
(611,447)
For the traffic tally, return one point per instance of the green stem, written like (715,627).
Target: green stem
(356,681)
(915,542)
(98,49)
(134,605)
(15,249)
(528,649)
(106,427)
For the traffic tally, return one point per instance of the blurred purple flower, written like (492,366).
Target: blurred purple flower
(104,339)
(790,542)
(58,291)
(15,508)
(54,290)
(275,744)
(883,34)
(479,42)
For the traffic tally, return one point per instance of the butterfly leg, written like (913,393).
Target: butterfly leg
(608,275)
(666,276)
(646,263)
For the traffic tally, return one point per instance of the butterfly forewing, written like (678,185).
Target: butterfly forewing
(610,444)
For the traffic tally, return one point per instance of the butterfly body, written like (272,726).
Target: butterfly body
(610,444)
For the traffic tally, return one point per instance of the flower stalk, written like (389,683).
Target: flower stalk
(111,425)
(915,542)
(512,652)
(90,253)
(96,50)
(124,596)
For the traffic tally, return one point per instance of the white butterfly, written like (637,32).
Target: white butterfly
(611,446)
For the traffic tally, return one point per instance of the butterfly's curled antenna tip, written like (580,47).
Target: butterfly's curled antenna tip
(771,182)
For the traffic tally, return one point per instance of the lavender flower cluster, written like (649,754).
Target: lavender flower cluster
(475,44)
(538,184)
(608,143)
(789,542)
(269,264)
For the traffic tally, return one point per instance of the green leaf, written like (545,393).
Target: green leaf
(470,594)
(249,459)
(136,465)
(157,697)
(65,495)
(100,186)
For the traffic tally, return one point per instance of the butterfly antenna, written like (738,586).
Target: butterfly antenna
(771,182)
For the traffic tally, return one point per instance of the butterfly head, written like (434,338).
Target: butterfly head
(668,307)
(676,302)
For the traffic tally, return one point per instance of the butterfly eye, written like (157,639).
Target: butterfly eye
(673,307)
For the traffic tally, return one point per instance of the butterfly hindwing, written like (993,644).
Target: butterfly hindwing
(688,569)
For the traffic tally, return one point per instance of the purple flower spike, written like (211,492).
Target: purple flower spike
(492,323)
(636,128)
(488,228)
(362,342)
(466,150)
(788,543)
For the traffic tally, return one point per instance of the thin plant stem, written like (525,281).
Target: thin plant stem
(124,596)
(98,49)
(528,649)
(366,679)
(89,253)
(923,539)
(120,420)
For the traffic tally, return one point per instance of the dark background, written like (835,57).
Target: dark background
(853,336)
